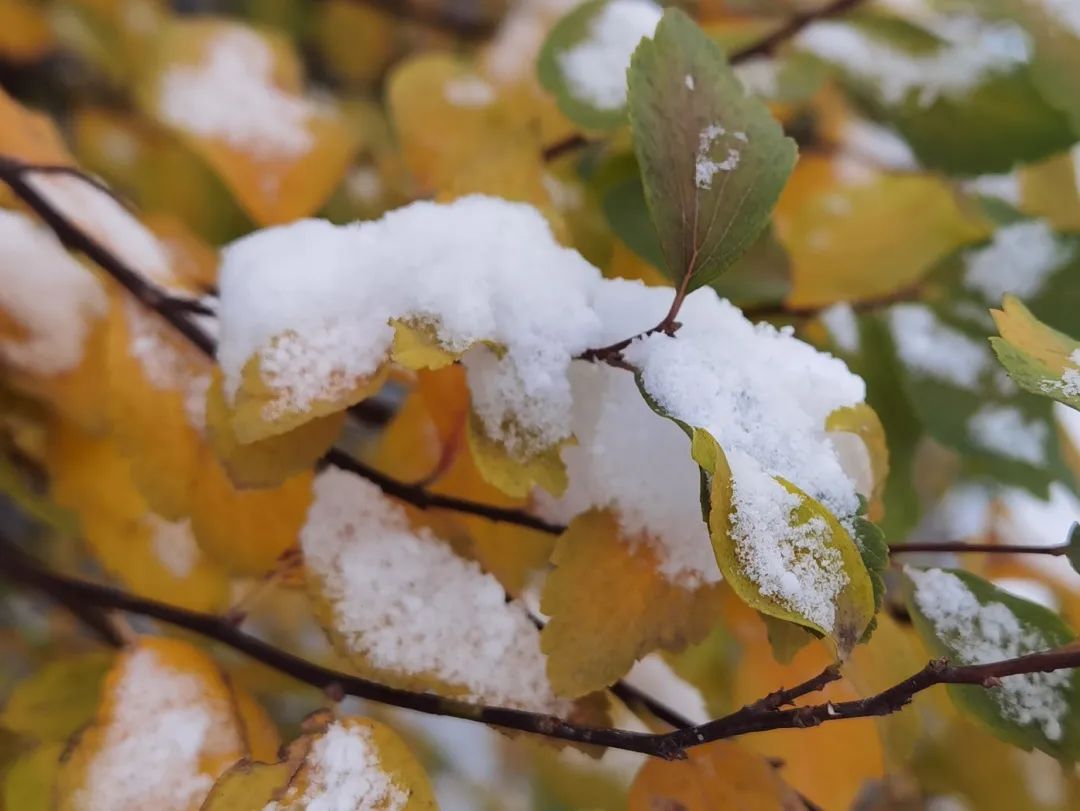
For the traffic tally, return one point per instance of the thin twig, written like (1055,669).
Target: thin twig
(177,313)
(765,714)
(991,548)
(438,15)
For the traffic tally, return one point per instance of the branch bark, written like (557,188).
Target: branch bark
(770,712)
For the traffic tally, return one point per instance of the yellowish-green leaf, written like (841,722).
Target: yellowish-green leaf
(514,475)
(29,783)
(610,605)
(1039,358)
(57,700)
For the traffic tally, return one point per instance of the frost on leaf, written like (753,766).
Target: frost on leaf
(353,763)
(308,314)
(1039,358)
(406,608)
(166,728)
(236,96)
(970,621)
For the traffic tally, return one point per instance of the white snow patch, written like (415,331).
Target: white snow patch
(980,634)
(1065,12)
(1004,430)
(595,67)
(705,168)
(174,544)
(1026,519)
(1018,260)
(1069,382)
(409,605)
(688,80)
(1004,187)
(53,298)
(345,774)
(165,727)
(469,91)
(971,52)
(839,319)
(231,96)
(933,349)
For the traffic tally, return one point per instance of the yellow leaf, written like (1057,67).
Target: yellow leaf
(278,170)
(29,782)
(25,33)
(29,136)
(718,776)
(246,530)
(1019,327)
(270,461)
(854,604)
(1050,190)
(58,699)
(373,753)
(610,605)
(149,554)
(417,348)
(512,474)
(356,41)
(869,469)
(163,698)
(864,238)
(260,734)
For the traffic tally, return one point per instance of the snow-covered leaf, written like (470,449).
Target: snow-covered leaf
(968,620)
(713,160)
(1039,358)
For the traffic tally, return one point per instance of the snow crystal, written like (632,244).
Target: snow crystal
(980,634)
(174,544)
(344,774)
(108,223)
(1003,430)
(595,68)
(164,728)
(47,293)
(971,52)
(469,91)
(839,320)
(1018,260)
(930,348)
(409,605)
(477,269)
(231,96)
(705,168)
(1069,382)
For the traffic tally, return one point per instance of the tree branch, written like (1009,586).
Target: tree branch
(991,548)
(438,15)
(177,312)
(766,714)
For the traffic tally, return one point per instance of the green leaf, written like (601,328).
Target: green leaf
(870,541)
(569,40)
(1000,122)
(1040,359)
(786,638)
(57,700)
(969,621)
(713,160)
(29,783)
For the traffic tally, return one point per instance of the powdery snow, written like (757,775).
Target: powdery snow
(477,269)
(595,68)
(409,605)
(1005,431)
(705,168)
(165,725)
(980,634)
(972,51)
(839,319)
(1018,260)
(49,294)
(932,349)
(345,774)
(230,95)
(1069,382)
(174,544)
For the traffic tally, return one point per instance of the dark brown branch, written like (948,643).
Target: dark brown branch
(438,15)
(795,24)
(177,312)
(991,548)
(766,714)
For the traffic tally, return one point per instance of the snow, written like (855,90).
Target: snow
(46,292)
(231,96)
(980,634)
(705,168)
(1028,520)
(688,80)
(164,729)
(1065,12)
(595,67)
(972,51)
(108,223)
(174,544)
(344,774)
(1019,260)
(932,349)
(1004,430)
(469,91)
(876,144)
(1004,187)
(839,320)
(1069,382)
(405,602)
(760,75)
(313,301)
